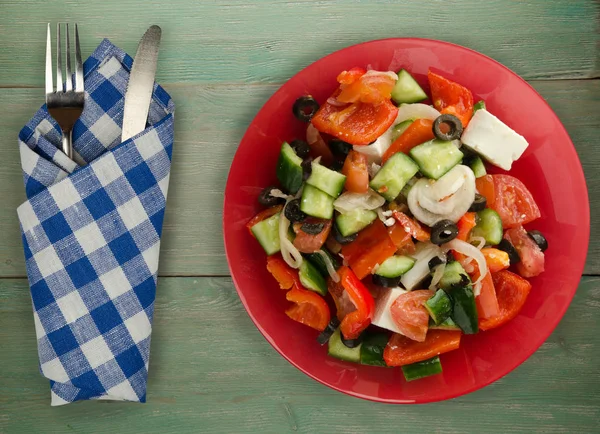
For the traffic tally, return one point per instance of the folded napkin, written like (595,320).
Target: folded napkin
(91,234)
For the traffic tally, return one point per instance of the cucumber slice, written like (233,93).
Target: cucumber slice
(400,128)
(326,180)
(436,157)
(477,166)
(289,169)
(439,307)
(464,310)
(448,324)
(454,274)
(267,234)
(311,278)
(354,221)
(489,227)
(395,266)
(316,203)
(371,351)
(317,260)
(422,369)
(407,90)
(479,105)
(340,351)
(394,175)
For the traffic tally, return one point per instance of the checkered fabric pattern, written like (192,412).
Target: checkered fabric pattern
(91,234)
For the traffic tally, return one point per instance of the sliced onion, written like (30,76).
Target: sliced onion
(334,102)
(477,289)
(330,268)
(291,255)
(479,240)
(470,251)
(424,253)
(438,274)
(280,194)
(312,134)
(373,168)
(388,74)
(416,111)
(349,202)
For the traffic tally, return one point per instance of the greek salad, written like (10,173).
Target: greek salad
(386,230)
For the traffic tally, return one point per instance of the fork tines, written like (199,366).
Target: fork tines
(68,86)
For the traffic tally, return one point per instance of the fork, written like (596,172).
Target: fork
(65,104)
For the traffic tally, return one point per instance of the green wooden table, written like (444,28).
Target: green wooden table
(211,370)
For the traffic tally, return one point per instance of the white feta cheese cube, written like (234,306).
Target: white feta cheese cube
(494,140)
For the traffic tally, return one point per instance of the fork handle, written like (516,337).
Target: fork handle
(67,147)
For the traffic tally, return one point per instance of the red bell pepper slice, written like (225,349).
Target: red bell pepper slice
(450,97)
(263,215)
(286,276)
(412,226)
(310,308)
(356,172)
(486,301)
(401,350)
(372,246)
(420,131)
(512,291)
(357,321)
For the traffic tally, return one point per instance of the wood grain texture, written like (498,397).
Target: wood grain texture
(210,122)
(211,371)
(270,40)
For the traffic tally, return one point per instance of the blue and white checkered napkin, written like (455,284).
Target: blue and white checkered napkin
(91,235)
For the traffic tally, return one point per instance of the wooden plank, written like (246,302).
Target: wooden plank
(210,122)
(211,371)
(269,40)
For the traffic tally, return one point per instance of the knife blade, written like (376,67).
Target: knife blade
(141,84)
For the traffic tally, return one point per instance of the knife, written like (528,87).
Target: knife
(141,84)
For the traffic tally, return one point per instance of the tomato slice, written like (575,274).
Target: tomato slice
(412,226)
(532,257)
(401,350)
(410,315)
(450,97)
(263,215)
(487,302)
(495,259)
(514,203)
(485,187)
(373,87)
(307,243)
(512,291)
(285,275)
(357,175)
(357,123)
(310,308)
(318,146)
(418,132)
(372,246)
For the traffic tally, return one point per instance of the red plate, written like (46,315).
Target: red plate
(550,169)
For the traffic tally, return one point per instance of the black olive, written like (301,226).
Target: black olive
(388,282)
(265,198)
(507,247)
(539,239)
(352,343)
(464,281)
(456,127)
(305,108)
(312,228)
(342,239)
(293,212)
(340,148)
(426,283)
(450,257)
(323,338)
(434,262)
(300,147)
(306,168)
(478,204)
(337,165)
(443,231)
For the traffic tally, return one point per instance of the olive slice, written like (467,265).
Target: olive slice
(387,282)
(339,148)
(478,204)
(300,147)
(323,338)
(293,212)
(352,343)
(443,232)
(312,228)
(340,238)
(265,198)
(306,168)
(507,247)
(305,108)
(455,125)
(434,262)
(539,239)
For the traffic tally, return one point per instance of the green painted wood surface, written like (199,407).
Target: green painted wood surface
(211,371)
